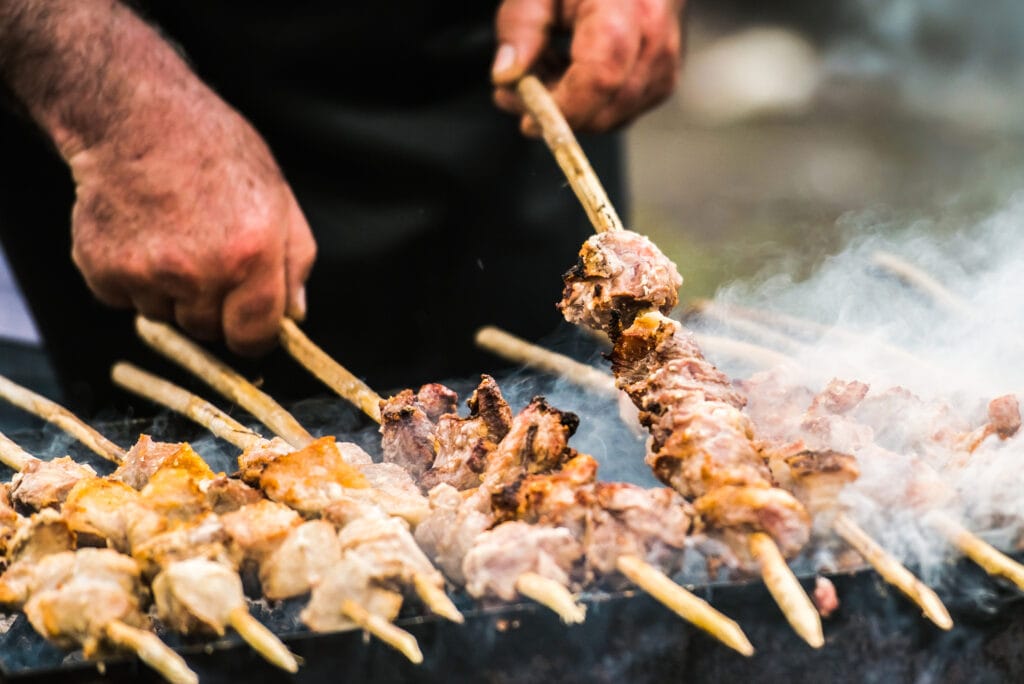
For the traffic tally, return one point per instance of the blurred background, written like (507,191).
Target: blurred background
(798,125)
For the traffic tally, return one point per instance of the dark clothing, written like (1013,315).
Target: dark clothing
(432,214)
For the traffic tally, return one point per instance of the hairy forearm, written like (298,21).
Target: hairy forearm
(90,72)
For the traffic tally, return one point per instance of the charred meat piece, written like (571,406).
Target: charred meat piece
(619,274)
(463,444)
(407,433)
(147,456)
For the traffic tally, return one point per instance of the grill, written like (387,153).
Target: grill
(876,635)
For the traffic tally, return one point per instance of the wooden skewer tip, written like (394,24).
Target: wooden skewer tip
(553,595)
(155,653)
(786,590)
(435,599)
(393,636)
(262,640)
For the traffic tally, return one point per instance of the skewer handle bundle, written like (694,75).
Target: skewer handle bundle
(569,155)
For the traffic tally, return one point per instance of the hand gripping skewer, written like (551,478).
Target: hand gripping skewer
(146,645)
(571,158)
(518,350)
(551,594)
(222,425)
(248,627)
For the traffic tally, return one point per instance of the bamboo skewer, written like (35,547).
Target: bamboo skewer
(991,559)
(332,374)
(784,587)
(396,637)
(56,414)
(262,640)
(923,282)
(690,607)
(12,455)
(893,572)
(569,155)
(516,349)
(218,375)
(551,595)
(150,650)
(165,393)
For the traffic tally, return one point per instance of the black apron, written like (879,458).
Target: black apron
(433,216)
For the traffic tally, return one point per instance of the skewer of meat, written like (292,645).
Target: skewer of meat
(62,483)
(90,598)
(99,508)
(423,429)
(817,476)
(738,500)
(256,449)
(302,481)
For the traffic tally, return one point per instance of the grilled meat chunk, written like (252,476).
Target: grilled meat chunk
(499,556)
(45,484)
(619,274)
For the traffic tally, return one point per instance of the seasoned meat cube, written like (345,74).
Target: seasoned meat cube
(45,484)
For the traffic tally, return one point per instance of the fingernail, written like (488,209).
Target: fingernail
(504,61)
(298,312)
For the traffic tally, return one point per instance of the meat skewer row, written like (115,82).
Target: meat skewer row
(351,574)
(256,448)
(818,477)
(422,430)
(90,598)
(50,484)
(99,508)
(712,428)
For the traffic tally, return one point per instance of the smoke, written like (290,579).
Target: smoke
(933,357)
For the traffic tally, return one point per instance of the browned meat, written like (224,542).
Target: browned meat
(1004,416)
(197,596)
(225,494)
(309,479)
(463,444)
(548,498)
(251,462)
(146,456)
(436,400)
(350,580)
(9,518)
(754,508)
(259,528)
(42,534)
(45,484)
(839,396)
(619,274)
(825,598)
(407,433)
(98,509)
(775,405)
(500,556)
(538,441)
(447,534)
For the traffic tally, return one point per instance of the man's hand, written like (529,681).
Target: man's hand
(623,57)
(196,226)
(181,211)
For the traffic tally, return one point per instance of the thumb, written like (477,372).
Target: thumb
(522,29)
(299,256)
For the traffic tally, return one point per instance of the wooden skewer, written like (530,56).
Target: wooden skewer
(262,640)
(784,587)
(921,281)
(690,607)
(180,400)
(758,331)
(331,373)
(569,155)
(393,636)
(12,455)
(52,412)
(518,350)
(552,595)
(151,651)
(893,572)
(991,559)
(218,375)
